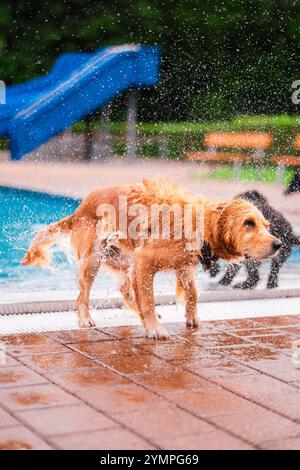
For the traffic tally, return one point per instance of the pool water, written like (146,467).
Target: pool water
(22,212)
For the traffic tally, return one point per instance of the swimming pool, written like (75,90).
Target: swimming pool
(22,212)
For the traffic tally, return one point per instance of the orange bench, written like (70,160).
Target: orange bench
(258,142)
(283,161)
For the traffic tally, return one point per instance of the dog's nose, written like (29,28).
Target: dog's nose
(276,245)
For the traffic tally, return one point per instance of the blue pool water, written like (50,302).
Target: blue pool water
(22,212)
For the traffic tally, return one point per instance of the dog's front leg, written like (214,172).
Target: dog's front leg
(142,278)
(186,280)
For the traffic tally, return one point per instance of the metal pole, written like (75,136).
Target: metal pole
(131,136)
(88,139)
(104,142)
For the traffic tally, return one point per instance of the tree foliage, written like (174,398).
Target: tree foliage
(220,57)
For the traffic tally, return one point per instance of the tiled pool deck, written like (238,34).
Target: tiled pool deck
(230,385)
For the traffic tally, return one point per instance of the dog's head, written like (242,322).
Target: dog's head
(242,231)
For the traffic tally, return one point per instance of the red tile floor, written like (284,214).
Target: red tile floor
(229,385)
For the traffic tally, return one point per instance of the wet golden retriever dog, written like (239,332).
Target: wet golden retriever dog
(132,231)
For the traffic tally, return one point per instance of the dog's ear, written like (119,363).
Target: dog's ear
(224,229)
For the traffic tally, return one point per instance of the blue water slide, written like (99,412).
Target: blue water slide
(22,95)
(61,69)
(54,105)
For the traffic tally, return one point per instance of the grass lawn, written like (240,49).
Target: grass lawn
(265,173)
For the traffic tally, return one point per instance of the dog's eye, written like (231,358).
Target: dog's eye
(249,223)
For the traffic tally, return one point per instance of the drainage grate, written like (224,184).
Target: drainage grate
(56,321)
(36,322)
(67,320)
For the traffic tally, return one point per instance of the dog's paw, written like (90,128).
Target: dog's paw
(244,285)
(86,323)
(272,285)
(193,323)
(214,271)
(158,333)
(225,281)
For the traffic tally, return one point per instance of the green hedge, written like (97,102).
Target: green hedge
(266,173)
(172,139)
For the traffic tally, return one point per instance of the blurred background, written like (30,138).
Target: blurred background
(220,58)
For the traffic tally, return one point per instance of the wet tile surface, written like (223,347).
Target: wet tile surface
(29,344)
(35,396)
(174,380)
(143,363)
(217,440)
(207,403)
(217,340)
(216,366)
(283,341)
(168,421)
(88,378)
(123,399)
(267,391)
(114,439)
(258,426)
(6,420)
(292,443)
(229,385)
(68,419)
(281,368)
(250,353)
(9,361)
(21,438)
(49,363)
(112,348)
(79,336)
(20,375)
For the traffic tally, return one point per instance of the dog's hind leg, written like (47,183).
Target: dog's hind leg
(252,268)
(231,272)
(186,279)
(85,243)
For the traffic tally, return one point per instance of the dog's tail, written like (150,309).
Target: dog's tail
(39,253)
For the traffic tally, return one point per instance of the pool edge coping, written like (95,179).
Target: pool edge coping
(47,304)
